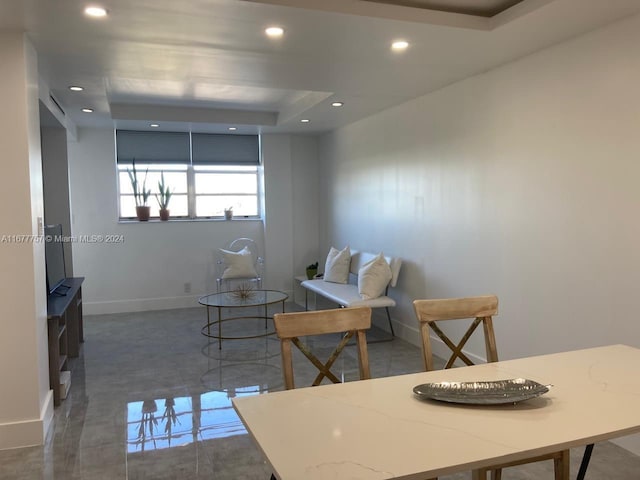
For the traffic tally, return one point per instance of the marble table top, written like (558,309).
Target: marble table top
(378,429)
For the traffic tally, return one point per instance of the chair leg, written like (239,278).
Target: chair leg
(496,474)
(390,324)
(480,474)
(561,466)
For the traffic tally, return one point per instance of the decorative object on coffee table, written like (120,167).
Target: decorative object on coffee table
(243,291)
(228,213)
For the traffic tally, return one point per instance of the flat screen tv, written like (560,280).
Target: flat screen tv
(54,257)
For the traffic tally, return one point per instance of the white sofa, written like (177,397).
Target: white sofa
(346,294)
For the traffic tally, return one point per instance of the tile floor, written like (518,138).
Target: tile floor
(150,399)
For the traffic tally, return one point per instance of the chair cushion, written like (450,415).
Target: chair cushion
(336,268)
(238,264)
(373,277)
(346,294)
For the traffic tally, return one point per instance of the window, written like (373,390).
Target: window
(207,173)
(174,175)
(218,188)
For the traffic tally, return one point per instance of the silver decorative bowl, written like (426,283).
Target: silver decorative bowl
(482,393)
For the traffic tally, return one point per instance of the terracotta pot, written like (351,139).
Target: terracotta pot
(143,213)
(164,214)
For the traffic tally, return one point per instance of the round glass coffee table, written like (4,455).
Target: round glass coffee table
(237,299)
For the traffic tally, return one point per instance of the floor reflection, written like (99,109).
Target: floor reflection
(161,423)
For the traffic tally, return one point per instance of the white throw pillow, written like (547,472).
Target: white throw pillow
(373,277)
(238,264)
(336,268)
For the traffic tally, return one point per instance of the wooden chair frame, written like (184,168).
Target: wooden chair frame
(350,321)
(481,309)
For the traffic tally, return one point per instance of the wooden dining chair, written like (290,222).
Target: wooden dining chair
(350,321)
(480,310)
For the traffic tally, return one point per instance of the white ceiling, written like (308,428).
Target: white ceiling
(206,65)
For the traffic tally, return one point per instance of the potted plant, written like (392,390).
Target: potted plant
(141,194)
(163,198)
(312,270)
(228,213)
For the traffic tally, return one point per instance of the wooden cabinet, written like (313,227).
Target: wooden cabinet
(64,318)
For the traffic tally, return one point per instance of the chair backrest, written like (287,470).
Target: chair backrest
(233,269)
(240,243)
(481,309)
(291,326)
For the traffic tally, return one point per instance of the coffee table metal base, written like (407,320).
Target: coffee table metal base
(262,298)
(206,330)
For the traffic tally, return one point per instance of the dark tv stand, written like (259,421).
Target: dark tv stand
(64,319)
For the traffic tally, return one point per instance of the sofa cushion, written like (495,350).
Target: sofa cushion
(373,277)
(336,268)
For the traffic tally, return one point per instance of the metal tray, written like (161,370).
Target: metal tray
(482,393)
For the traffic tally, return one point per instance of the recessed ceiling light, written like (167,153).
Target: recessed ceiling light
(337,104)
(232,129)
(75,88)
(305,120)
(95,11)
(87,110)
(274,31)
(154,125)
(399,45)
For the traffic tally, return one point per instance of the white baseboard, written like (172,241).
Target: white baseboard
(408,333)
(139,305)
(28,433)
(144,304)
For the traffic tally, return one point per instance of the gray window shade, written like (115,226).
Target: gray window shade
(220,149)
(152,147)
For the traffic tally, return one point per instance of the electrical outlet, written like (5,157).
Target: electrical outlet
(187,287)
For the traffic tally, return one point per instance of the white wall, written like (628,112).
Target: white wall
(521,182)
(150,268)
(26,403)
(276,157)
(305,173)
(306,227)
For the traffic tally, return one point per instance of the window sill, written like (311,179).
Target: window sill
(189,220)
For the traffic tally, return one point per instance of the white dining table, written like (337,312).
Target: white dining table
(378,429)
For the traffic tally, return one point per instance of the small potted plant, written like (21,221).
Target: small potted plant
(163,198)
(140,194)
(228,213)
(312,270)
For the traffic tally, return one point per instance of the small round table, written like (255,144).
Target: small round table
(234,299)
